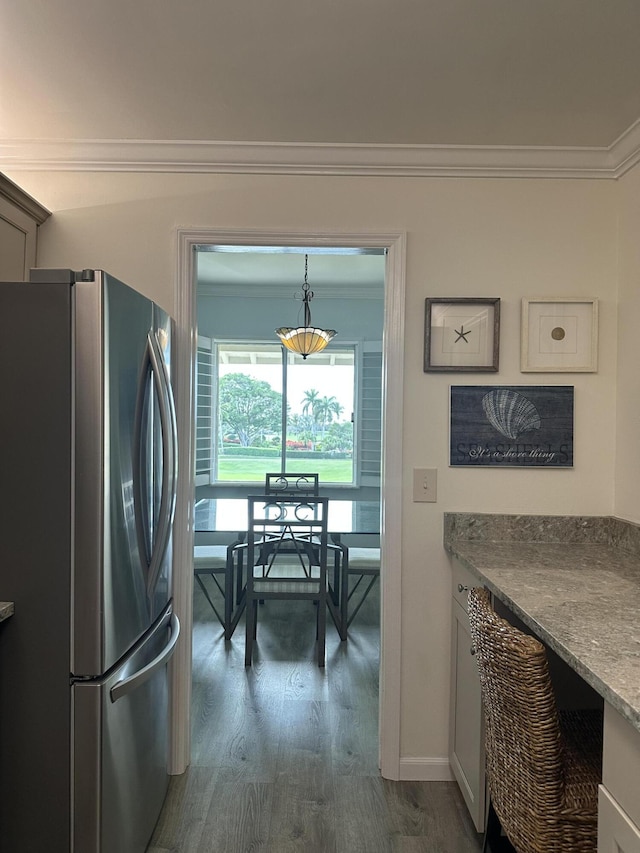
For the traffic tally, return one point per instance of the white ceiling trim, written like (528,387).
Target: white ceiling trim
(130,155)
(625,151)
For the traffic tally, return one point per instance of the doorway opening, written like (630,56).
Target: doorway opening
(261,408)
(393,320)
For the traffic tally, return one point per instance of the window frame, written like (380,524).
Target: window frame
(355,346)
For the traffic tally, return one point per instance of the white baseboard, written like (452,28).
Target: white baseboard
(425,770)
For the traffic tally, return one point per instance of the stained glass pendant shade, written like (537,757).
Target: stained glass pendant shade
(306,339)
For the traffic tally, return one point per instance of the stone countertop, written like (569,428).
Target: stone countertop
(6,610)
(575,582)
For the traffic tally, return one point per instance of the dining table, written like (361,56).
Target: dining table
(229,518)
(230,515)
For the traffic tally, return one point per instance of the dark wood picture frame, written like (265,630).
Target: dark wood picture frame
(462,334)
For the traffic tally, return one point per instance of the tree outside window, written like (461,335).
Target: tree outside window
(251,409)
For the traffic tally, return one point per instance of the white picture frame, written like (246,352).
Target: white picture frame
(559,334)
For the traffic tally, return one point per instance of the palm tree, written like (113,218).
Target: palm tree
(310,401)
(326,408)
(310,406)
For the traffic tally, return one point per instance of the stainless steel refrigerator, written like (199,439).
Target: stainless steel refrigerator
(87,478)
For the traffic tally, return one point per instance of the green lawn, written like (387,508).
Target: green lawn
(254,468)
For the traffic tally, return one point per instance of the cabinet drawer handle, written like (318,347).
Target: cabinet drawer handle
(462,588)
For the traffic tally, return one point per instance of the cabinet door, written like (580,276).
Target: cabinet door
(616,832)
(17,251)
(20,216)
(466,750)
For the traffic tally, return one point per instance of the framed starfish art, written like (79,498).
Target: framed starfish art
(461,334)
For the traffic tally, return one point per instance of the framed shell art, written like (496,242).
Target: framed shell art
(461,334)
(559,334)
(511,426)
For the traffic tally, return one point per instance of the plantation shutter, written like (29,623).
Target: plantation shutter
(371,414)
(204,412)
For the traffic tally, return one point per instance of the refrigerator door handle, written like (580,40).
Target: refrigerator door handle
(169,467)
(153,546)
(128,685)
(143,512)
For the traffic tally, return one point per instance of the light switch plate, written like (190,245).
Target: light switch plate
(425,484)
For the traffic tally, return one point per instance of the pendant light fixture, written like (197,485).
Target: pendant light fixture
(305,340)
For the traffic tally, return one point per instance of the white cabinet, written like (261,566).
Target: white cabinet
(466,725)
(20,216)
(619,794)
(616,832)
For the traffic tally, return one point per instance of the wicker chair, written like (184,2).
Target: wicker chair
(543,766)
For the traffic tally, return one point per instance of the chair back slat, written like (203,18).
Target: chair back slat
(291,483)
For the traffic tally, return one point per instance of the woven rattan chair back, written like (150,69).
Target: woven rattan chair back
(542,778)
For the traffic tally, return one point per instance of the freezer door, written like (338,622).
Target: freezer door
(119,752)
(125,472)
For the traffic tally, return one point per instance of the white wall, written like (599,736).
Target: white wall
(255,318)
(627,503)
(465,237)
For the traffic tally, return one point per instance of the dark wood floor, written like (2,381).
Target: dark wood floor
(284,753)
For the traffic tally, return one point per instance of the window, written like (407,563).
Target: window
(266,409)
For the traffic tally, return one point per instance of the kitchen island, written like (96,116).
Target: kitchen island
(574,582)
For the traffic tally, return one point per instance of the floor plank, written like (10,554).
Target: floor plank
(284,753)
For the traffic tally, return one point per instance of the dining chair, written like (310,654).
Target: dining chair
(224,565)
(543,764)
(286,550)
(299,484)
(291,483)
(359,571)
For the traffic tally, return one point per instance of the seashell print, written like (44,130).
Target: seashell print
(510,413)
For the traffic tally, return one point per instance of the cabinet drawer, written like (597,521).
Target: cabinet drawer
(616,832)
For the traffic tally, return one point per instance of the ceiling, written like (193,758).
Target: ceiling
(446,73)
(279,272)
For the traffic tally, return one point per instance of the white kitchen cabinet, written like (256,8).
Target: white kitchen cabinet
(619,794)
(20,217)
(600,663)
(616,832)
(466,725)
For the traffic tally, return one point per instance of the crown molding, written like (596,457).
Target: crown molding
(183,156)
(20,199)
(625,151)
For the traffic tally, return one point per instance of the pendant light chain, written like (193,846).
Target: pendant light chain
(306,339)
(307,294)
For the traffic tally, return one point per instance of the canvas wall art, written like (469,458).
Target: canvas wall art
(522,426)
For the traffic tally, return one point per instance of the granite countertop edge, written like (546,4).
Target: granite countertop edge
(577,589)
(6,610)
